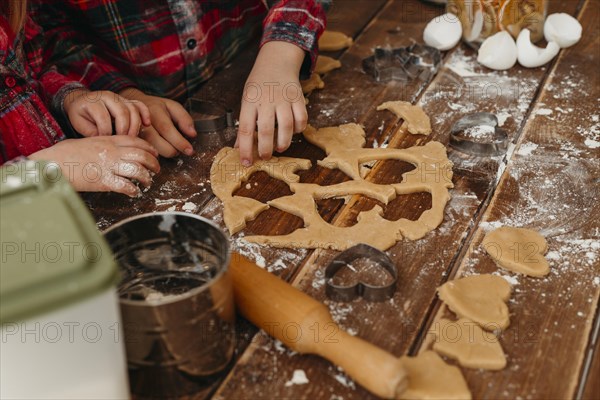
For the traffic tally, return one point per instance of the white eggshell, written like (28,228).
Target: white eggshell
(443,32)
(531,56)
(477,27)
(562,29)
(498,51)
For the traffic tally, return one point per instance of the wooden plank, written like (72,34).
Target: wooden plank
(550,185)
(264,370)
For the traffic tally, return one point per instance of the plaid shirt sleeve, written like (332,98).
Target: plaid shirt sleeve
(73,52)
(53,86)
(299,22)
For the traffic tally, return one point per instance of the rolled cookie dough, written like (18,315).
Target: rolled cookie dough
(480,298)
(343,146)
(418,122)
(518,250)
(466,342)
(312,83)
(227,175)
(429,377)
(333,41)
(326,64)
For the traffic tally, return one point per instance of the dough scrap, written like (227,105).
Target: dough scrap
(429,377)
(312,83)
(518,250)
(326,64)
(343,146)
(480,298)
(333,41)
(227,175)
(466,342)
(418,122)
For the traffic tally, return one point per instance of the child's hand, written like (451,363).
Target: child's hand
(92,113)
(169,121)
(272,93)
(104,163)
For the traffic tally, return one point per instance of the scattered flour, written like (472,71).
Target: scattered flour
(189,207)
(282,258)
(345,380)
(544,111)
(526,149)
(513,280)
(480,132)
(502,117)
(249,250)
(592,144)
(299,378)
(490,226)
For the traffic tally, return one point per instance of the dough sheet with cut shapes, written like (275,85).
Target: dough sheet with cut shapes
(344,146)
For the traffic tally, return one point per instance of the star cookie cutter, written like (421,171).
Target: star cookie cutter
(403,64)
(490,142)
(367,291)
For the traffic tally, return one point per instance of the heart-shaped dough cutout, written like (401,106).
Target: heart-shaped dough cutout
(518,250)
(429,377)
(466,342)
(480,298)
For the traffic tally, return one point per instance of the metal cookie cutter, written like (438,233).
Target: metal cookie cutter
(211,120)
(404,63)
(367,291)
(479,134)
(209,116)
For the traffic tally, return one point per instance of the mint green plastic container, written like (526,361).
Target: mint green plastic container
(61,334)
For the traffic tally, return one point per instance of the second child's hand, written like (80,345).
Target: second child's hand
(169,121)
(272,94)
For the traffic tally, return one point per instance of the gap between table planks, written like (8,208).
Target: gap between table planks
(257,360)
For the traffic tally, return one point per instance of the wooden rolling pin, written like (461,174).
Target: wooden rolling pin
(305,325)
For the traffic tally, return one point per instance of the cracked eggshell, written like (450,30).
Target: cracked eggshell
(562,29)
(443,32)
(498,52)
(476,28)
(531,56)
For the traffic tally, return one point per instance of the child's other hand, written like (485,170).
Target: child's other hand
(92,113)
(169,121)
(272,94)
(104,163)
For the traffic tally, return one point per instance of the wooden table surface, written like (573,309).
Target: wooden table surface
(549,181)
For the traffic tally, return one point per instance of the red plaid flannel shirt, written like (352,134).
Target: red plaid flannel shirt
(168,48)
(27,94)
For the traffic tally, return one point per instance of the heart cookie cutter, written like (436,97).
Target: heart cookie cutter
(368,291)
(467,136)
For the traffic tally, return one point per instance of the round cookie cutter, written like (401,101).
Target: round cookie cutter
(494,144)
